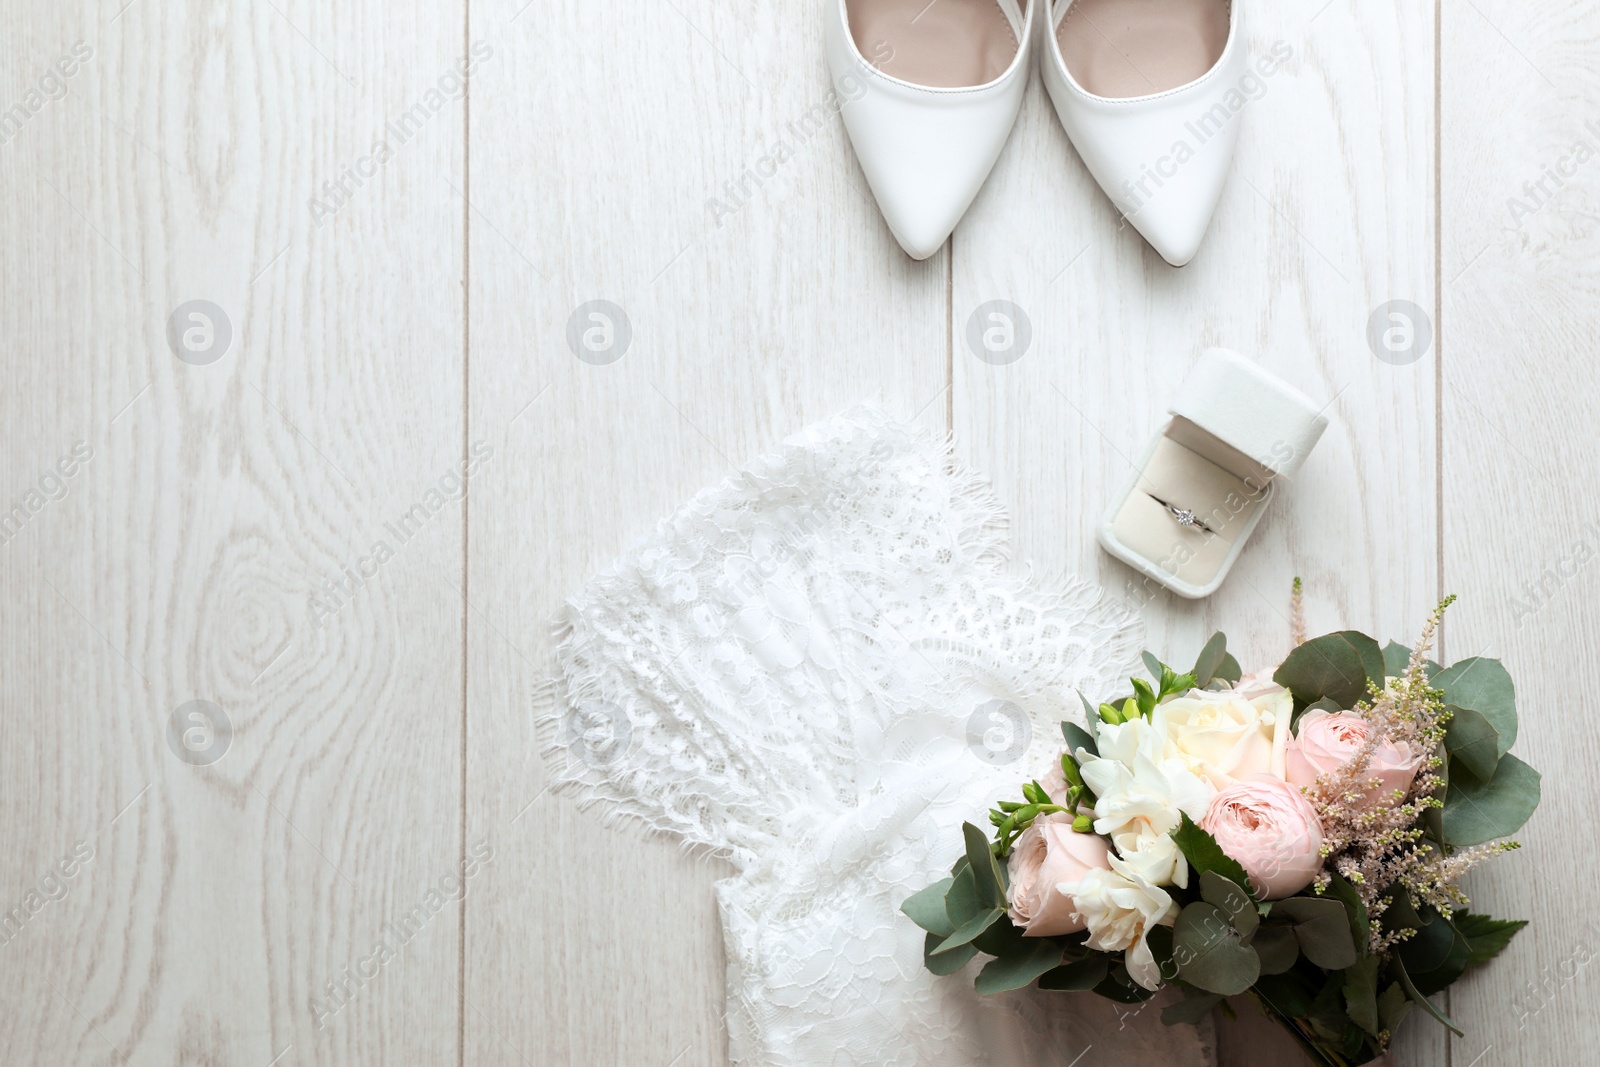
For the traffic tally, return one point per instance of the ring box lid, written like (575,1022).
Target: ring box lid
(1250,410)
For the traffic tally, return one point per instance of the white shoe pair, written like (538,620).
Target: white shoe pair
(1149,92)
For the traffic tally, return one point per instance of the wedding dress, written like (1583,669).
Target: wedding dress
(818,669)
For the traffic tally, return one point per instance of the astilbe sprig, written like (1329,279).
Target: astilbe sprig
(1377,841)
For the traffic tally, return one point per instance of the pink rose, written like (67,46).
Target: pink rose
(1328,741)
(1273,831)
(1046,854)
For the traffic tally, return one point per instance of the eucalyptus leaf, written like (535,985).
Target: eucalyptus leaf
(1476,811)
(1322,927)
(1083,974)
(1487,937)
(1208,953)
(1417,998)
(1397,657)
(1204,854)
(1485,686)
(1233,901)
(1360,925)
(1449,969)
(985,869)
(1472,740)
(926,908)
(1077,737)
(961,900)
(1017,969)
(968,930)
(1001,939)
(1430,945)
(1191,1010)
(1210,659)
(1119,987)
(1361,995)
(1152,664)
(1336,666)
(948,962)
(1278,948)
(1229,672)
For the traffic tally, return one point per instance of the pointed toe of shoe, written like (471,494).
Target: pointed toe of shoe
(1175,231)
(925,151)
(1163,159)
(919,223)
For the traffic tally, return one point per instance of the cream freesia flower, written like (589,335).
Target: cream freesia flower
(1142,795)
(1118,908)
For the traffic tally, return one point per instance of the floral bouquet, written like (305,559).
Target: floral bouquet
(1300,839)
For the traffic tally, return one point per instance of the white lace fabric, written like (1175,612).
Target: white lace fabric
(818,669)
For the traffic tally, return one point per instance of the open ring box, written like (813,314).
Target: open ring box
(1205,481)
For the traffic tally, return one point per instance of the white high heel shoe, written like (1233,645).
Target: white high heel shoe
(930,111)
(1150,93)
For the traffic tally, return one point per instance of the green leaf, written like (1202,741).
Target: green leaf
(1077,737)
(926,908)
(985,869)
(1397,657)
(1018,969)
(1476,811)
(1322,927)
(948,962)
(1418,998)
(1474,741)
(1208,952)
(1119,987)
(1210,659)
(961,900)
(1360,924)
(1335,666)
(1001,939)
(968,930)
(1196,1007)
(1361,995)
(1204,854)
(1485,686)
(1393,1006)
(1487,937)
(1229,672)
(1278,948)
(1080,975)
(1233,901)
(1287,994)
(1430,945)
(1449,969)
(1152,664)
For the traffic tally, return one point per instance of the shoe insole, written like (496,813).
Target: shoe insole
(1123,48)
(940,43)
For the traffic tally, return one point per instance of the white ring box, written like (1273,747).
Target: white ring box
(1236,431)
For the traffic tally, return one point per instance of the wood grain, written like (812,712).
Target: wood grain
(680,160)
(1518,321)
(182,561)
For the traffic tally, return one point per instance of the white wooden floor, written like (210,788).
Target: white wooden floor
(398,311)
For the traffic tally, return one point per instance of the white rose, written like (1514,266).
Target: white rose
(1228,736)
(1118,908)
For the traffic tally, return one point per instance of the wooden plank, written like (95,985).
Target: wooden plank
(210,502)
(1518,328)
(1327,214)
(613,151)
